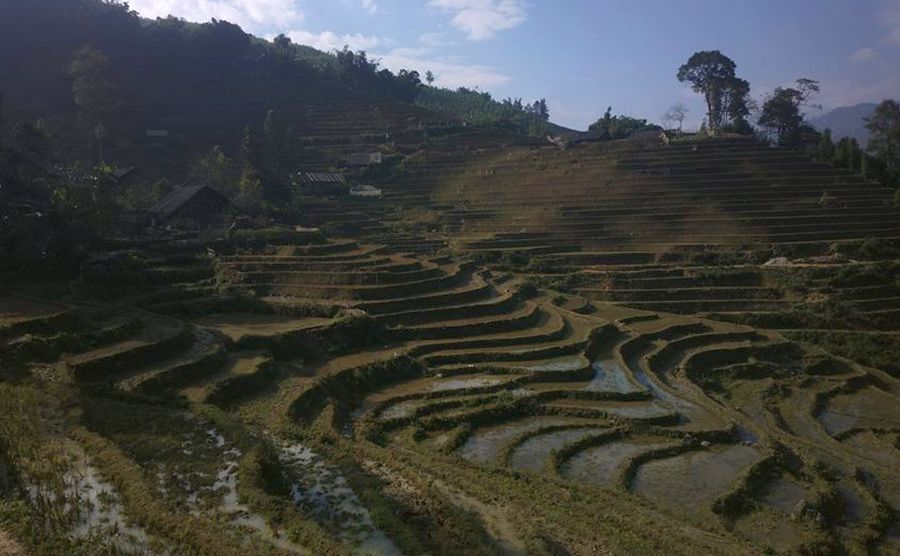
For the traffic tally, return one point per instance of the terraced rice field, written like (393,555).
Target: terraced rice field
(355,396)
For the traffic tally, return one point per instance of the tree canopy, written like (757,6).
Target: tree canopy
(884,125)
(713,74)
(481,108)
(620,126)
(781,112)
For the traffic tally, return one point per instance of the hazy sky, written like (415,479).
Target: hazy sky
(583,55)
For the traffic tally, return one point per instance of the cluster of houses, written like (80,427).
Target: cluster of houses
(199,206)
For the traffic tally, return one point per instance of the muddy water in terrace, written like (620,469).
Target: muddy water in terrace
(484,444)
(695,476)
(598,465)
(533,453)
(783,494)
(322,491)
(558,365)
(609,376)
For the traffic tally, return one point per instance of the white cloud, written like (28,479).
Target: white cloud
(434,40)
(328,41)
(449,72)
(369,6)
(482,19)
(847,92)
(890,18)
(862,55)
(252,15)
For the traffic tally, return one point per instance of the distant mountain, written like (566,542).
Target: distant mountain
(846,121)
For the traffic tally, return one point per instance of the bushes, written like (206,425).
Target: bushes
(865,275)
(868,249)
(881,351)
(527,290)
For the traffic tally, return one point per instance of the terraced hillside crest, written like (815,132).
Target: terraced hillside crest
(604,349)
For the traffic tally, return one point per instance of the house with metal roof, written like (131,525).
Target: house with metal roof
(323,183)
(193,206)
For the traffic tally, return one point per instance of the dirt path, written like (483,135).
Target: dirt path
(495,520)
(9,546)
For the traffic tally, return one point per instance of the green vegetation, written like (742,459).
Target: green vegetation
(878,350)
(713,75)
(620,127)
(516,347)
(781,114)
(480,108)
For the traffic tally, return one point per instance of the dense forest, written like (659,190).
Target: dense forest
(481,108)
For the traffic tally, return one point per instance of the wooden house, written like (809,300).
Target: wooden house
(193,206)
(590,136)
(323,183)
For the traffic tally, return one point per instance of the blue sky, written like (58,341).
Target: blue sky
(584,55)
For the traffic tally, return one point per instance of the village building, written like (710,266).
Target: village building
(590,136)
(365,191)
(323,183)
(649,135)
(364,159)
(193,206)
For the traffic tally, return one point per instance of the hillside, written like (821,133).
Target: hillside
(656,345)
(846,121)
(201,84)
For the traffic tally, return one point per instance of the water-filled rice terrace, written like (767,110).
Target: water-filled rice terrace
(609,349)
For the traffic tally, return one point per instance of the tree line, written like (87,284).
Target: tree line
(781,118)
(480,108)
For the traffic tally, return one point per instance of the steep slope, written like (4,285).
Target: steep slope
(846,121)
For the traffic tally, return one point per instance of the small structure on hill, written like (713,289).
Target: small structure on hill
(323,183)
(192,206)
(364,159)
(590,136)
(120,174)
(365,191)
(649,135)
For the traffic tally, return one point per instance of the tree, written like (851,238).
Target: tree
(93,92)
(217,171)
(675,115)
(620,127)
(825,150)
(713,74)
(282,43)
(406,84)
(842,155)
(781,112)
(249,188)
(249,148)
(538,109)
(737,104)
(275,137)
(855,155)
(884,145)
(429,77)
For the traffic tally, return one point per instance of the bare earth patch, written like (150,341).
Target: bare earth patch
(238,325)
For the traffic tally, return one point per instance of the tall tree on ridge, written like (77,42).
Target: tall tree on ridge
(93,92)
(781,113)
(884,125)
(676,115)
(708,72)
(714,75)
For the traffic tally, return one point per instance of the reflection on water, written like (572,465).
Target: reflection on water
(323,492)
(533,453)
(693,476)
(598,464)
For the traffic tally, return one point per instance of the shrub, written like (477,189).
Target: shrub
(527,290)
